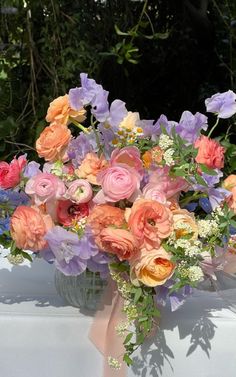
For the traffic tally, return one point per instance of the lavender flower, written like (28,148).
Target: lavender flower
(223,104)
(78,148)
(31,169)
(176,299)
(190,125)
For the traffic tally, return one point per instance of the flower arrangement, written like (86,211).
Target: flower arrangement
(145,202)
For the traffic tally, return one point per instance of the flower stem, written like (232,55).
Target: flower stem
(215,125)
(77,124)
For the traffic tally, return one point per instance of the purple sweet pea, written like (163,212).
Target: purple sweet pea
(176,299)
(222,104)
(117,113)
(70,253)
(78,148)
(90,93)
(190,125)
(99,263)
(31,169)
(154,130)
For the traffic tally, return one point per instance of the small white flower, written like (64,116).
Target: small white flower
(114,363)
(165,142)
(195,273)
(208,228)
(168,156)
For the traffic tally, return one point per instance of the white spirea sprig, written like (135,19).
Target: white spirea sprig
(168,156)
(113,363)
(195,273)
(165,142)
(208,228)
(122,328)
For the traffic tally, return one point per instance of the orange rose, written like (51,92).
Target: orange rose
(53,141)
(104,215)
(150,222)
(152,268)
(210,153)
(119,242)
(90,167)
(184,224)
(59,111)
(28,228)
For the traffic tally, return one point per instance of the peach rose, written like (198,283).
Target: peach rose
(210,153)
(119,242)
(230,182)
(10,174)
(130,121)
(53,141)
(154,155)
(104,215)
(152,267)
(231,200)
(28,227)
(184,224)
(150,222)
(59,111)
(90,167)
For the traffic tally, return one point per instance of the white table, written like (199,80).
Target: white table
(41,336)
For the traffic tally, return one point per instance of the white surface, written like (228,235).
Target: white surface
(40,336)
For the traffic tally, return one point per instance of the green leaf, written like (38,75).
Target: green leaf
(128,338)
(138,294)
(206,170)
(119,32)
(127,359)
(200,180)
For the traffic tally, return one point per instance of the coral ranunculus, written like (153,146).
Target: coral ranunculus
(150,222)
(210,153)
(68,212)
(119,242)
(10,173)
(90,167)
(28,228)
(59,111)
(52,143)
(152,267)
(105,215)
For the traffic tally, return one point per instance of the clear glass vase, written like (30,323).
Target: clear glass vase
(83,291)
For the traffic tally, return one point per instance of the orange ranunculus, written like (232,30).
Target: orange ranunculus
(154,155)
(184,224)
(152,267)
(210,153)
(28,228)
(104,215)
(53,141)
(230,182)
(90,167)
(119,242)
(150,222)
(59,111)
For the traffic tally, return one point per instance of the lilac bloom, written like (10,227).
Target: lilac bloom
(153,130)
(212,180)
(176,299)
(190,125)
(90,93)
(70,252)
(117,113)
(217,196)
(99,263)
(31,169)
(223,104)
(78,148)
(205,205)
(13,198)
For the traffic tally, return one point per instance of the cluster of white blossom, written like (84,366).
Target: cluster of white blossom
(208,228)
(165,142)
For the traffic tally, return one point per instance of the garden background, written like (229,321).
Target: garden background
(159,56)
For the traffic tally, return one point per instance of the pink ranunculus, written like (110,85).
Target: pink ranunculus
(28,228)
(210,153)
(129,156)
(153,192)
(10,173)
(119,182)
(119,242)
(79,191)
(43,187)
(150,222)
(68,212)
(170,186)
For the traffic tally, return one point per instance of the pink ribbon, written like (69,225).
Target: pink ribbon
(103,333)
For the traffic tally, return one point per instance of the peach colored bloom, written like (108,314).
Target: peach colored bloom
(59,111)
(231,200)
(104,215)
(230,182)
(52,143)
(154,155)
(210,153)
(10,173)
(28,227)
(90,167)
(152,267)
(130,121)
(119,242)
(184,224)
(150,222)
(129,156)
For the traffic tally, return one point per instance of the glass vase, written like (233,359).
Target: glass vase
(83,291)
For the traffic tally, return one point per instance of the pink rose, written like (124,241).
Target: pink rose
(151,267)
(28,227)
(69,212)
(150,222)
(129,156)
(118,241)
(79,191)
(10,173)
(153,192)
(44,187)
(210,153)
(118,182)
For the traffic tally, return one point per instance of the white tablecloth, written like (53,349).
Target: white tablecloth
(41,336)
